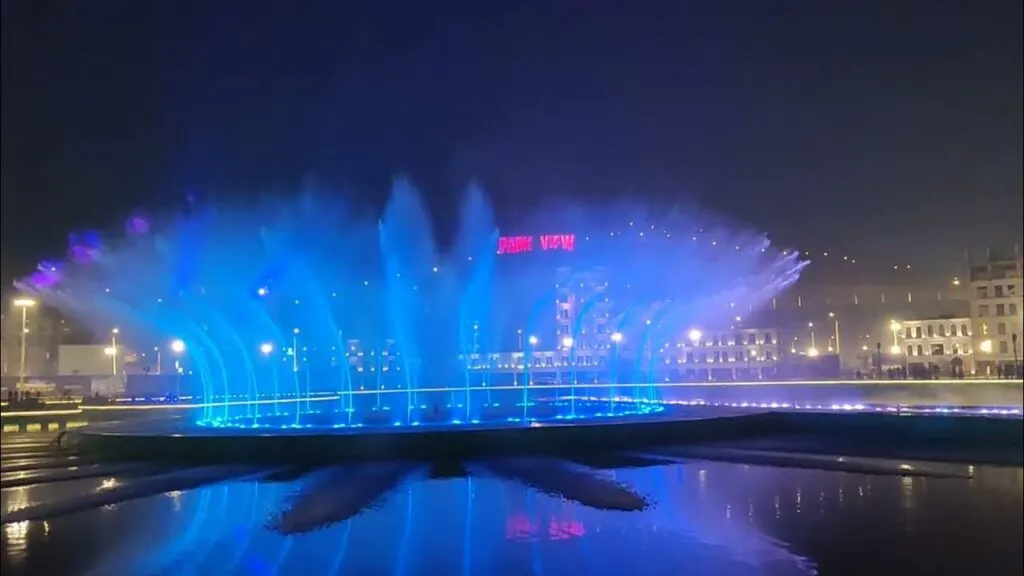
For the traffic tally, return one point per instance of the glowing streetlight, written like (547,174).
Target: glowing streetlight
(112,350)
(617,337)
(567,342)
(895,327)
(177,346)
(812,352)
(895,349)
(24,304)
(262,291)
(532,340)
(266,348)
(694,335)
(836,326)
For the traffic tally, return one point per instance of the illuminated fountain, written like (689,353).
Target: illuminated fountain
(301,314)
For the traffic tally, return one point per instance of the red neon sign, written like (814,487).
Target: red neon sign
(547,243)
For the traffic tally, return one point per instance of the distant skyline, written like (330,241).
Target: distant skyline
(880,127)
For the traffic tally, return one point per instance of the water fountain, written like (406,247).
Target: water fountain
(299,315)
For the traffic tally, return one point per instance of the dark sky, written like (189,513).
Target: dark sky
(873,125)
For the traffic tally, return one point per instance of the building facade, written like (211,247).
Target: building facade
(997,305)
(938,346)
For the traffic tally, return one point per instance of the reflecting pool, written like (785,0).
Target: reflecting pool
(633,515)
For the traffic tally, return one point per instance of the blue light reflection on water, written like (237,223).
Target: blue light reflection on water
(711,518)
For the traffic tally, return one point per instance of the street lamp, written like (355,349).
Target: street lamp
(617,337)
(24,304)
(810,326)
(695,335)
(567,342)
(836,321)
(112,350)
(266,348)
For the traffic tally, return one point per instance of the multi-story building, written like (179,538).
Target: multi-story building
(937,345)
(997,304)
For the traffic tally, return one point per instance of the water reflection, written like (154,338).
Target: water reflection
(706,518)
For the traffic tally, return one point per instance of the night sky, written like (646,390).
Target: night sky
(878,125)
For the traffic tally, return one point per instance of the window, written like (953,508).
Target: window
(768,355)
(983,311)
(917,331)
(910,350)
(963,330)
(1013,309)
(752,338)
(920,350)
(910,332)
(999,290)
(1003,348)
(942,330)
(982,291)
(931,331)
(938,350)
(1001,328)
(1000,309)
(952,329)
(768,338)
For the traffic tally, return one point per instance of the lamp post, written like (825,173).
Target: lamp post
(24,304)
(532,340)
(836,326)
(1016,357)
(895,327)
(813,350)
(113,350)
(616,340)
(178,348)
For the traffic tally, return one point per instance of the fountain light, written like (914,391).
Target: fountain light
(262,291)
(177,346)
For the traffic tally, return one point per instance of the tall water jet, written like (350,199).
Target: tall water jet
(476,247)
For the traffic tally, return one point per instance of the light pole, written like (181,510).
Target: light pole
(616,340)
(1016,357)
(836,324)
(894,327)
(24,304)
(113,350)
(178,348)
(813,350)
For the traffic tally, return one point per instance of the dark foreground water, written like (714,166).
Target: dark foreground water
(510,517)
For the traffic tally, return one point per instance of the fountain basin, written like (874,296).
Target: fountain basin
(178,440)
